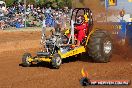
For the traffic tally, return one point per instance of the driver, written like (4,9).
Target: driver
(81,29)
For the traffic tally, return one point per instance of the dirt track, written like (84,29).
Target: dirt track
(14,44)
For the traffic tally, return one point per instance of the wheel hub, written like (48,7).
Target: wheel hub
(58,61)
(27,59)
(107,47)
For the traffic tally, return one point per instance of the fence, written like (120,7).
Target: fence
(129,32)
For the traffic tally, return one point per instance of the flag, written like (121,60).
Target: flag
(112,2)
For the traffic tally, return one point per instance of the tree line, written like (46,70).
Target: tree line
(46,3)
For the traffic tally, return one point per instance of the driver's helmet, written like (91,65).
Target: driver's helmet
(80,19)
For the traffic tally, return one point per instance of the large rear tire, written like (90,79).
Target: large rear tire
(25,61)
(100,46)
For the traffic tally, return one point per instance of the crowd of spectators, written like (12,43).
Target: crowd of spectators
(19,16)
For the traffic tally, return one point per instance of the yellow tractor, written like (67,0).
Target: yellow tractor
(97,43)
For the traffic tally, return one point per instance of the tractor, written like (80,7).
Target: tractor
(97,43)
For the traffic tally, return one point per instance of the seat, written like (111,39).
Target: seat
(43,54)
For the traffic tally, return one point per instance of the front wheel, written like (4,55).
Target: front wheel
(25,60)
(56,61)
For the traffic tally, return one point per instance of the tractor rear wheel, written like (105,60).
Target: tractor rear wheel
(56,61)
(25,61)
(100,46)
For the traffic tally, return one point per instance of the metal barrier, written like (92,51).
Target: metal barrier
(116,27)
(129,32)
(125,31)
(122,32)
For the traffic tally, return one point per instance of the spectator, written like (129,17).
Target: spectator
(33,15)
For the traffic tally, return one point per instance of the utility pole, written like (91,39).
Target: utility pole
(106,7)
(72,26)
(25,12)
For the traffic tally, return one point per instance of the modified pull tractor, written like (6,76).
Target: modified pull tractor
(96,42)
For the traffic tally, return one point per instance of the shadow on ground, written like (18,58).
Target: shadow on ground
(82,58)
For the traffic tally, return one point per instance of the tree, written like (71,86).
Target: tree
(68,3)
(9,2)
(52,3)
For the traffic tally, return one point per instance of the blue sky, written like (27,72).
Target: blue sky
(124,4)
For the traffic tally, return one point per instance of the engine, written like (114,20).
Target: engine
(54,42)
